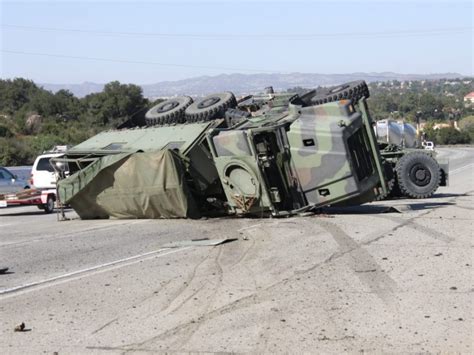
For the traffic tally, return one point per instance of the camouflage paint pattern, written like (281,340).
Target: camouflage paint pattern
(232,143)
(318,150)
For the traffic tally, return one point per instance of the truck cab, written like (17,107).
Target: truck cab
(289,157)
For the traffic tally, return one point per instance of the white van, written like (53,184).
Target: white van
(42,173)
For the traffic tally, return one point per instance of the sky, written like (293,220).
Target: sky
(151,41)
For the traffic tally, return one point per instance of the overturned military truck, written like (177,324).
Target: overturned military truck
(270,154)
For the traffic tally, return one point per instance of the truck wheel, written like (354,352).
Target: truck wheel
(168,112)
(210,107)
(49,205)
(354,90)
(418,175)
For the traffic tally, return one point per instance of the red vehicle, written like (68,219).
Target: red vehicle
(44,199)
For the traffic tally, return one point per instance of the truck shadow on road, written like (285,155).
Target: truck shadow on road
(448,195)
(392,208)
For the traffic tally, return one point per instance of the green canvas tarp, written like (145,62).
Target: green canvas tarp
(131,185)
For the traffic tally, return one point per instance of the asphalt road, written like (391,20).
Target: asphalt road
(357,280)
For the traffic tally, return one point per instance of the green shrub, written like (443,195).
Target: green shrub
(452,136)
(5,132)
(15,151)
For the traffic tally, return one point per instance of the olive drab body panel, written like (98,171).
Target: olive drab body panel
(182,137)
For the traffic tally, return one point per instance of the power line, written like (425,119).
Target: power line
(135,61)
(267,36)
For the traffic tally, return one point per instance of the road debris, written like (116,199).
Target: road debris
(201,242)
(20,327)
(370,270)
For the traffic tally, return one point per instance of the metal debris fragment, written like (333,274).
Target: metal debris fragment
(20,327)
(201,242)
(369,270)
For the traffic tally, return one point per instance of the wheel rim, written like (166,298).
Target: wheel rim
(420,175)
(208,102)
(167,106)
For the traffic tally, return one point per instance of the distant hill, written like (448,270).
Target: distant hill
(79,90)
(249,83)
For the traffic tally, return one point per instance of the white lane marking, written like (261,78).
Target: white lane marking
(462,168)
(70,276)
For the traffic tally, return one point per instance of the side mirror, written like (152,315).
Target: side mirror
(61,166)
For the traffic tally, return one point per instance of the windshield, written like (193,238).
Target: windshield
(5,175)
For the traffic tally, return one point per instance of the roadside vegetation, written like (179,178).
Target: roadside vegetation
(33,120)
(439,104)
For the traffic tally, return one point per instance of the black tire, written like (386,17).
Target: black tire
(354,90)
(49,205)
(168,112)
(210,107)
(395,193)
(418,175)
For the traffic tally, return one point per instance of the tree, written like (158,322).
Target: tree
(67,106)
(15,152)
(430,106)
(15,93)
(116,103)
(467,125)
